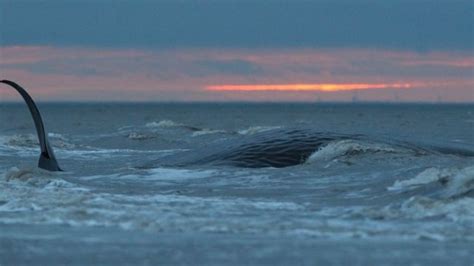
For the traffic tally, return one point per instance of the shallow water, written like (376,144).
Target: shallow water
(398,185)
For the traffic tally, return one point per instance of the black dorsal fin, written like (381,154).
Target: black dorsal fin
(47,159)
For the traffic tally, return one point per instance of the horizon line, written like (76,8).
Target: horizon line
(428,102)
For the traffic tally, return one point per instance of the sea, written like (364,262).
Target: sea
(175,184)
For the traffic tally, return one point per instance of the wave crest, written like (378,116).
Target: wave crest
(31,141)
(351,147)
(140,136)
(257,129)
(35,177)
(163,124)
(207,131)
(457,181)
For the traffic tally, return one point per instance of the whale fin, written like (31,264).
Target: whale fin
(47,159)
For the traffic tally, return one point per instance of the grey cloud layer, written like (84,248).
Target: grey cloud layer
(414,25)
(292,64)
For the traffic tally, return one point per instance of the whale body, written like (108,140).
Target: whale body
(275,148)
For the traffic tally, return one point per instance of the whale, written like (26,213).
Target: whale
(279,148)
(47,159)
(276,148)
(273,149)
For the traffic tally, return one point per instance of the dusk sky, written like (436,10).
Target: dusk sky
(392,50)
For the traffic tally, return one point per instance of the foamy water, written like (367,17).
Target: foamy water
(389,183)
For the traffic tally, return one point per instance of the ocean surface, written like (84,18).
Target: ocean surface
(201,184)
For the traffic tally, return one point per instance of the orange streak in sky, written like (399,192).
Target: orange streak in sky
(308,87)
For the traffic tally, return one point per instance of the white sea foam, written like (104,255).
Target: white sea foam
(419,207)
(56,202)
(256,129)
(458,181)
(427,176)
(346,147)
(159,174)
(451,204)
(91,153)
(461,183)
(31,141)
(207,131)
(22,140)
(16,174)
(140,136)
(36,177)
(418,217)
(170,174)
(163,124)
(55,135)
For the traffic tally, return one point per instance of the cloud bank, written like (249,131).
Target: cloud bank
(74,74)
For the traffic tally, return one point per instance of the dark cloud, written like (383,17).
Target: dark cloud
(73,67)
(233,67)
(415,25)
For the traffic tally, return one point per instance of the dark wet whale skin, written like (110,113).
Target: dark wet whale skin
(47,159)
(280,148)
(274,148)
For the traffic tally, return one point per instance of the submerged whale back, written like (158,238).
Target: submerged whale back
(276,148)
(279,150)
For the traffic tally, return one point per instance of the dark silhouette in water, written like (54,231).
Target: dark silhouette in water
(47,159)
(275,148)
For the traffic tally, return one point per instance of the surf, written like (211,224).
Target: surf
(275,147)
(47,159)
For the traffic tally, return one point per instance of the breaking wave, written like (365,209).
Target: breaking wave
(257,129)
(35,177)
(347,147)
(207,131)
(163,124)
(141,136)
(449,202)
(31,141)
(170,124)
(456,181)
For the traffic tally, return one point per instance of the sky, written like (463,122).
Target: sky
(347,50)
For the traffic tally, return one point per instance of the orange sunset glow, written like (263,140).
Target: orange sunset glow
(99,74)
(327,87)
